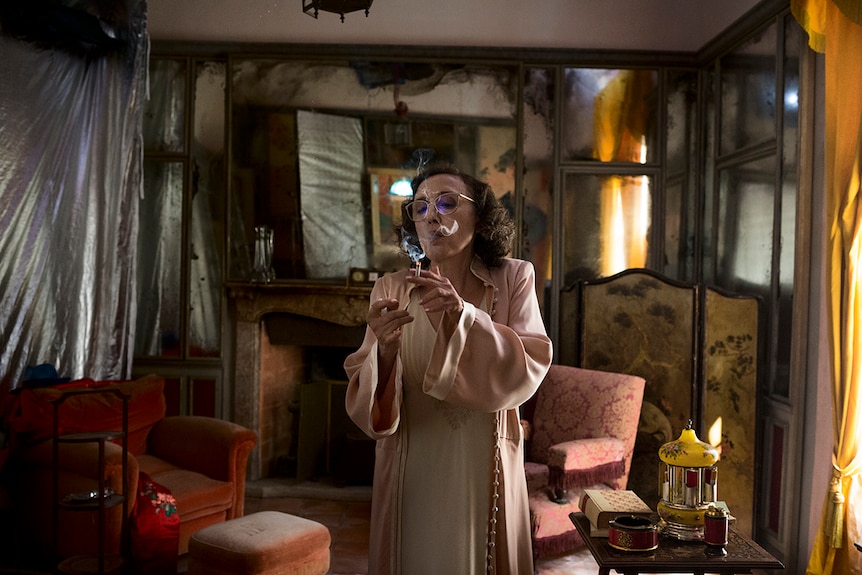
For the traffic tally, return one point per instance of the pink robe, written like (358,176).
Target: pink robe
(480,363)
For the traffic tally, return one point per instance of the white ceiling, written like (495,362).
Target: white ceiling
(664,25)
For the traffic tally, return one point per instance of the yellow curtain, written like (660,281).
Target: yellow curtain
(833,29)
(620,116)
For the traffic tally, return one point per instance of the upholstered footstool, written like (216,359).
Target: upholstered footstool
(264,543)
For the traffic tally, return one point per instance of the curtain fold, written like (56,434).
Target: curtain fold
(70,176)
(833,33)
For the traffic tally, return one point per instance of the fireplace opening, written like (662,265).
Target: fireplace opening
(309,435)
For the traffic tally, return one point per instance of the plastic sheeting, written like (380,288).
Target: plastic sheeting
(330,170)
(70,181)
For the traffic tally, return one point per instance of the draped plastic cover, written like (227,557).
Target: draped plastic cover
(70,183)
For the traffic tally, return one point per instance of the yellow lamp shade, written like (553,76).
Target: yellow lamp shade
(688,451)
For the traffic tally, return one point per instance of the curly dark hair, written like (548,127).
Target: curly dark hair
(495,229)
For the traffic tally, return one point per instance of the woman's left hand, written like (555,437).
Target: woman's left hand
(440,295)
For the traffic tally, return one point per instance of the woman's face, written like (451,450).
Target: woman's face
(443,236)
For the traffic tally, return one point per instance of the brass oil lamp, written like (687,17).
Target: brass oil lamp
(688,485)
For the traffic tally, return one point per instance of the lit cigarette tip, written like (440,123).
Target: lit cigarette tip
(418,268)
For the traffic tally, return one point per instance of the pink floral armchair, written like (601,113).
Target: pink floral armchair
(580,427)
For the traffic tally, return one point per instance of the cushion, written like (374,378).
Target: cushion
(267,542)
(34,416)
(585,462)
(552,530)
(154,528)
(196,494)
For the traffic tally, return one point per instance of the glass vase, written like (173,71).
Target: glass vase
(262,271)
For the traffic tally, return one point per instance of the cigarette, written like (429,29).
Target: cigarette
(418,268)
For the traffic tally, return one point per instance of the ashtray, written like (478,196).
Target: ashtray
(632,533)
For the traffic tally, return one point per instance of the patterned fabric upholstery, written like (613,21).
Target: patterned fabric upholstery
(582,426)
(586,461)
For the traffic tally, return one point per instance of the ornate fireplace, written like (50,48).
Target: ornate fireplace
(274,326)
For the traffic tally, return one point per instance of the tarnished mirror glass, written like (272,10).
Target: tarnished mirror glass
(610,115)
(207,210)
(317,146)
(681,175)
(164,110)
(537,232)
(607,220)
(744,227)
(748,93)
(160,241)
(794,44)
(160,218)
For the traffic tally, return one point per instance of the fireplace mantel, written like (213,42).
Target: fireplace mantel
(249,303)
(342,305)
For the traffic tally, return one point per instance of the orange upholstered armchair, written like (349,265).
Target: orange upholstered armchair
(201,461)
(581,427)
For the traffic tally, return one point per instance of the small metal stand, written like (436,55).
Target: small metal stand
(99,500)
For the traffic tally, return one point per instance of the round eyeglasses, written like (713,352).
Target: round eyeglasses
(446,203)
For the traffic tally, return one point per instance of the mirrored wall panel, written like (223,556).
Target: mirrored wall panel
(207,230)
(607,220)
(321,151)
(160,249)
(537,222)
(182,214)
(681,202)
(610,115)
(748,105)
(165,109)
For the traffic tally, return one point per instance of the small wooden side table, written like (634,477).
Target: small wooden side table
(675,556)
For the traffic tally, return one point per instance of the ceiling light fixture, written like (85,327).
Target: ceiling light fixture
(341,7)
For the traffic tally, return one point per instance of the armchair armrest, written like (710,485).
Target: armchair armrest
(213,447)
(585,462)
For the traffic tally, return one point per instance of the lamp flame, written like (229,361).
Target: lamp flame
(714,434)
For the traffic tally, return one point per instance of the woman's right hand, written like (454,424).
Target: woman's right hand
(386,319)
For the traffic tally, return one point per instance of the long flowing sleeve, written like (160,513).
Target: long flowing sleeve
(362,366)
(489,362)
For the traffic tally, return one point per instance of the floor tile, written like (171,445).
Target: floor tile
(347,516)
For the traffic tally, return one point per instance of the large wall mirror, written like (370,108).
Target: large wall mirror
(321,151)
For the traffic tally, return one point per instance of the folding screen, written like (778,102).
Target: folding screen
(697,350)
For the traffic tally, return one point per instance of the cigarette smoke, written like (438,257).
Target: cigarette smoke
(450,229)
(422,157)
(410,244)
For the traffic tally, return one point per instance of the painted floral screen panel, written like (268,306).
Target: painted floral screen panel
(730,402)
(636,322)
